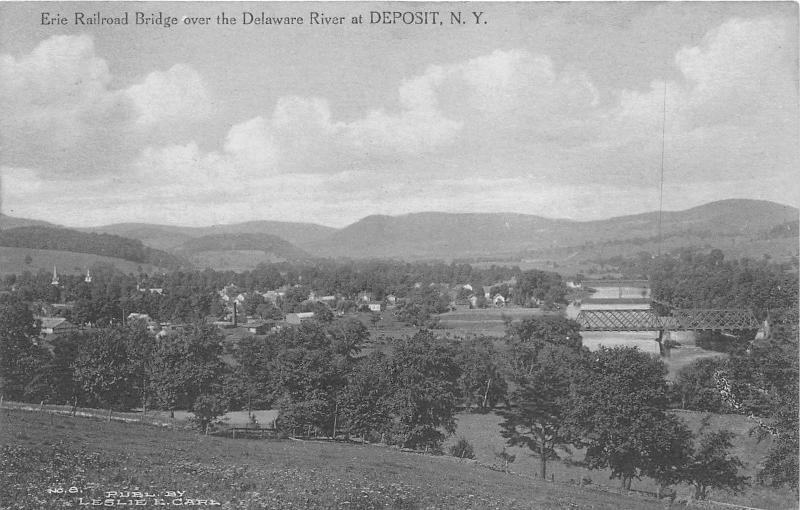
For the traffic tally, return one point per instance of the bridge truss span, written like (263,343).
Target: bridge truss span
(679,320)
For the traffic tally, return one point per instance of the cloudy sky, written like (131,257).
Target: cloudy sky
(548,108)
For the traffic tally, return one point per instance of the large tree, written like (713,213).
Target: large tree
(22,361)
(185,366)
(425,380)
(110,367)
(541,402)
(616,406)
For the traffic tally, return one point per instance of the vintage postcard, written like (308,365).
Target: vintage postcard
(398,254)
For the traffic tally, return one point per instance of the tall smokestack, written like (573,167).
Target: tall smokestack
(234,314)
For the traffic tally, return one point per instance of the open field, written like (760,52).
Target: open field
(12,261)
(484,321)
(483,432)
(95,456)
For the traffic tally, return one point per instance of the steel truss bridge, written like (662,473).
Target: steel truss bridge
(681,319)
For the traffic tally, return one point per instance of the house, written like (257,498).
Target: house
(498,300)
(364,296)
(298,318)
(391,299)
(574,285)
(260,327)
(143,317)
(374,307)
(473,301)
(56,326)
(467,287)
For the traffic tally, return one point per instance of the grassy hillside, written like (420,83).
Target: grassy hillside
(238,251)
(63,239)
(40,452)
(12,261)
(483,432)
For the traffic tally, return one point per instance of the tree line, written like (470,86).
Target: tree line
(107,245)
(614,403)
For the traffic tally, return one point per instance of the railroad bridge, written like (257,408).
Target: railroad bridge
(681,319)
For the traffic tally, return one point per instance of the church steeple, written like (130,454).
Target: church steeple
(88,278)
(55,277)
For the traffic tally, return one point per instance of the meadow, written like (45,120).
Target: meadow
(44,456)
(483,432)
(12,261)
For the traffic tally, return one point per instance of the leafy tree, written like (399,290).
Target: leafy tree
(481,381)
(541,403)
(207,408)
(425,379)
(20,356)
(695,387)
(185,366)
(421,304)
(268,310)
(253,375)
(347,336)
(528,337)
(309,375)
(541,286)
(711,466)
(108,370)
(614,409)
(366,404)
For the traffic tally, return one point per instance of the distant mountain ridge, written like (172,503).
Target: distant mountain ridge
(7,222)
(440,235)
(453,235)
(168,237)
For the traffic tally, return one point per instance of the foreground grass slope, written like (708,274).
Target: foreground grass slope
(483,433)
(97,456)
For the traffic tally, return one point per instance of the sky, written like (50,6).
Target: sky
(553,109)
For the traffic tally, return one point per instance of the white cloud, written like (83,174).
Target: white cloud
(60,114)
(170,96)
(509,130)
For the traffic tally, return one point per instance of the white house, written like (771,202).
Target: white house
(56,325)
(298,318)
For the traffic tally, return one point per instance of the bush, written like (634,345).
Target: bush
(462,449)
(206,409)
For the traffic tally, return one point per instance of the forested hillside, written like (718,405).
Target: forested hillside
(267,243)
(52,238)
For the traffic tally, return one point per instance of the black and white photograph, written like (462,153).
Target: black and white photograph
(399,255)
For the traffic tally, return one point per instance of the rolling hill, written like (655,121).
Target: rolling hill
(50,238)
(740,227)
(238,251)
(168,237)
(7,222)
(446,235)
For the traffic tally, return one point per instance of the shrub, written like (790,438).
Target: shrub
(462,449)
